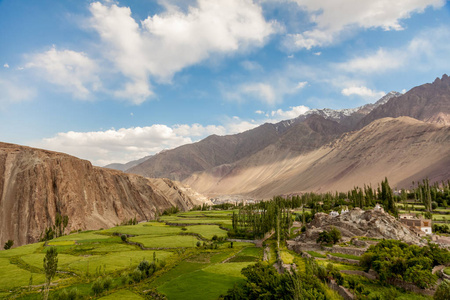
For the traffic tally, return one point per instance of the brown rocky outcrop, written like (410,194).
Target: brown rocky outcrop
(357,222)
(37,184)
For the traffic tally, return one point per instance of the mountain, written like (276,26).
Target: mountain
(260,161)
(214,151)
(128,165)
(403,149)
(429,102)
(37,184)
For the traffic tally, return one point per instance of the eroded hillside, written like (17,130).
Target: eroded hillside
(36,184)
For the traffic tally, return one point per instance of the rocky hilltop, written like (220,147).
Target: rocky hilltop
(36,184)
(357,222)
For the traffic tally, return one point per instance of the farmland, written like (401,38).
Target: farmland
(189,250)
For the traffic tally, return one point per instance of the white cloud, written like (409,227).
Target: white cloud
(251,66)
(262,91)
(166,43)
(122,145)
(260,112)
(12,92)
(317,53)
(363,91)
(331,18)
(74,71)
(301,85)
(381,61)
(294,112)
(6,66)
(423,50)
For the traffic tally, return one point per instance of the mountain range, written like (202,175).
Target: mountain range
(403,136)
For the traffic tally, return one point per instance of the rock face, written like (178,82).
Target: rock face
(36,184)
(357,222)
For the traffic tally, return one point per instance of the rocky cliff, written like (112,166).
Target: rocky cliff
(36,184)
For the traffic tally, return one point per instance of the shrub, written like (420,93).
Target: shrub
(136,275)
(214,238)
(123,237)
(97,286)
(198,244)
(107,283)
(442,291)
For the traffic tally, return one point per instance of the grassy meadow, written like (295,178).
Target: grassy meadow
(185,269)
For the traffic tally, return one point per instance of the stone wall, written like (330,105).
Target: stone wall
(343,260)
(343,292)
(346,250)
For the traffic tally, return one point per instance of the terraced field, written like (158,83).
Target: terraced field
(186,270)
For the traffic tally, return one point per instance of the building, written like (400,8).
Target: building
(378,207)
(334,213)
(424,225)
(344,210)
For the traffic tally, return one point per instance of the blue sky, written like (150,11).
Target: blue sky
(113,81)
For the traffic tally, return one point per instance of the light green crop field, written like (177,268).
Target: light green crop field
(447,271)
(23,250)
(83,237)
(150,228)
(219,278)
(439,217)
(286,257)
(114,261)
(11,276)
(176,241)
(207,231)
(123,295)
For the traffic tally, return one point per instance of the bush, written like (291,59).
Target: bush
(107,283)
(136,275)
(198,244)
(123,237)
(443,291)
(214,238)
(97,286)
(65,294)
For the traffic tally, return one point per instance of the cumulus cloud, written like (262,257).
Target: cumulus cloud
(166,43)
(380,61)
(363,91)
(6,66)
(293,112)
(74,71)
(331,18)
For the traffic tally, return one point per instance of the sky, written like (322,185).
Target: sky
(114,81)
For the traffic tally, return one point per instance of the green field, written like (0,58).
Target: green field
(176,241)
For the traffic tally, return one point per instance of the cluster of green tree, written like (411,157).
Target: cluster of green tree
(264,282)
(57,229)
(329,237)
(393,259)
(254,221)
(8,244)
(432,196)
(144,270)
(222,206)
(440,228)
(132,221)
(171,211)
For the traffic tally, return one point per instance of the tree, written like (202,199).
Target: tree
(324,237)
(335,235)
(50,266)
(8,244)
(443,291)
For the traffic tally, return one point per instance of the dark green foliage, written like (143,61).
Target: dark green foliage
(97,286)
(440,228)
(147,268)
(443,291)
(123,237)
(171,211)
(329,237)
(8,244)
(50,266)
(66,294)
(264,282)
(393,259)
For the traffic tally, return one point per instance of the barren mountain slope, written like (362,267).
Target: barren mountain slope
(212,151)
(400,149)
(36,184)
(429,102)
